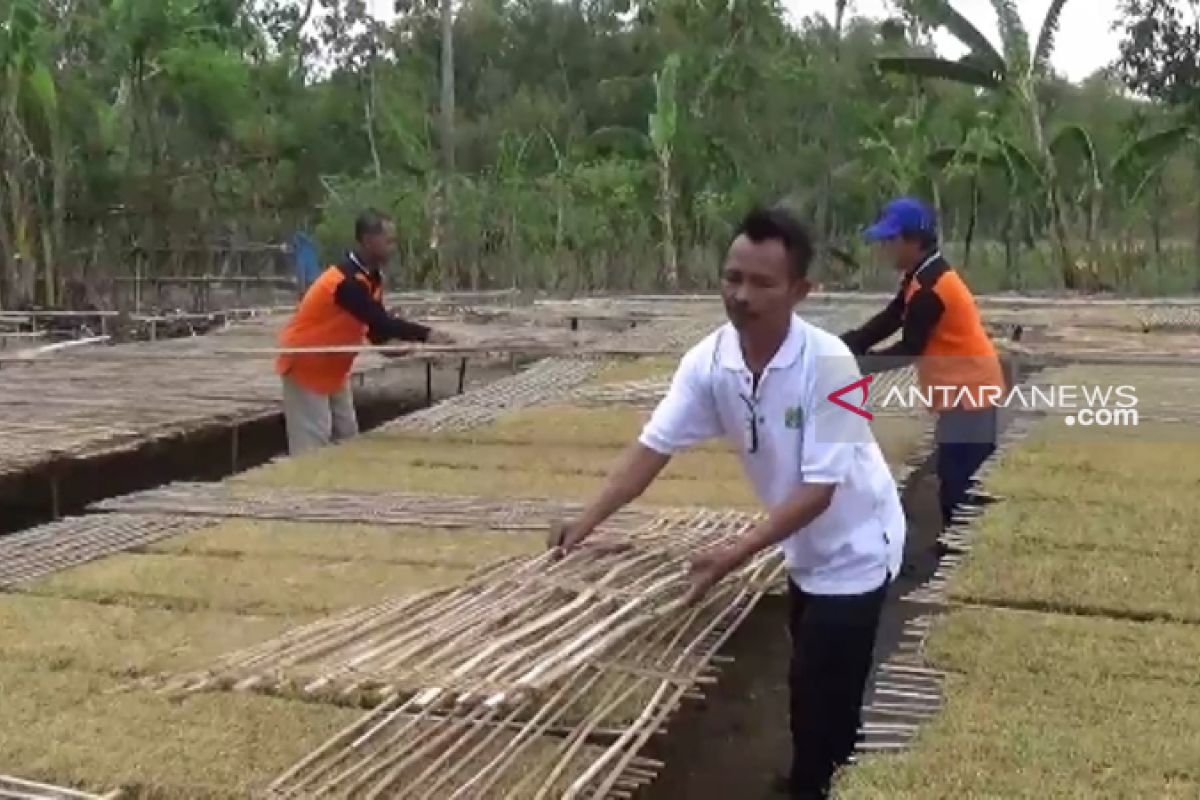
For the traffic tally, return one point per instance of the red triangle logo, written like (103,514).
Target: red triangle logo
(860,409)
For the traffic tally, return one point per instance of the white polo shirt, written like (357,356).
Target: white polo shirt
(801,437)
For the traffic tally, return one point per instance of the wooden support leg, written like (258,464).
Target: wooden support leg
(428,383)
(54,499)
(233,450)
(462,375)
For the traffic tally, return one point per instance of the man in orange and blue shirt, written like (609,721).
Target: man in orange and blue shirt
(942,333)
(342,308)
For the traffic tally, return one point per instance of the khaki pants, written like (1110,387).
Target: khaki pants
(316,420)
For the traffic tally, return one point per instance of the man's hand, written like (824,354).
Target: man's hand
(438,336)
(626,482)
(566,536)
(709,567)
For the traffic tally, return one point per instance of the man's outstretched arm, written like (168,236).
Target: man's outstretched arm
(925,311)
(633,473)
(684,417)
(876,329)
(381,326)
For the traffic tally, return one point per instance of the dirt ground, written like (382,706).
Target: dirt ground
(735,743)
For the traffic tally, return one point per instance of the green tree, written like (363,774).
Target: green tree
(1017,75)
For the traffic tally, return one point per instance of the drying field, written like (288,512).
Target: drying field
(381,618)
(1066,655)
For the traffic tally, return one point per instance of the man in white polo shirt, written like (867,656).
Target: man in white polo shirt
(763,381)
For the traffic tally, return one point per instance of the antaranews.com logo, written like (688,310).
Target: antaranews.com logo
(1082,405)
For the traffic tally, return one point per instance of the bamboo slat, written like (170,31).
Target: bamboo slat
(432,511)
(544,382)
(579,736)
(18,789)
(647,393)
(45,549)
(507,633)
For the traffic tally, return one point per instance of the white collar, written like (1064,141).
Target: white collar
(729,348)
(932,257)
(359,264)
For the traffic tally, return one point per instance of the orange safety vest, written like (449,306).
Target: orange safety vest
(959,367)
(320,322)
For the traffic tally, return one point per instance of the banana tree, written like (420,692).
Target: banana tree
(1125,178)
(986,150)
(1129,172)
(16,60)
(53,198)
(1016,75)
(663,125)
(34,158)
(899,158)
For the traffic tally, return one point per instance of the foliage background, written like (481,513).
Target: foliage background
(579,145)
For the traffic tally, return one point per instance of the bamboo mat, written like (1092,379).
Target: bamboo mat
(583,658)
(430,511)
(17,789)
(544,382)
(533,609)
(647,393)
(86,404)
(104,399)
(65,543)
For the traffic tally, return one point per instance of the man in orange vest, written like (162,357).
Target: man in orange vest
(958,367)
(343,307)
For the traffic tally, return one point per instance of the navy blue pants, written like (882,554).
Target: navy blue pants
(965,439)
(833,645)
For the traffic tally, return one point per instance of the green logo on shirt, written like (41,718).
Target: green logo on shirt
(793,417)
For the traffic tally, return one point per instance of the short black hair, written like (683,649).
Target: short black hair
(369,223)
(928,240)
(763,224)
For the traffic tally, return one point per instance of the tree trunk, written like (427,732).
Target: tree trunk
(55,233)
(21,251)
(1058,226)
(1196,254)
(972,220)
(670,259)
(369,121)
(6,250)
(446,206)
(1009,255)
(24,262)
(826,206)
(937,198)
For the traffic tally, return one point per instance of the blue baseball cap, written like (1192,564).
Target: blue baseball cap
(900,216)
